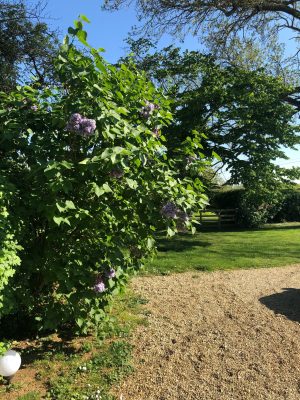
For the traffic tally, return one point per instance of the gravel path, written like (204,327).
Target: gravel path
(231,335)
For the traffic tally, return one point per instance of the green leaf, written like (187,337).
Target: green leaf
(215,155)
(100,190)
(82,35)
(78,24)
(60,208)
(150,243)
(132,183)
(106,188)
(60,220)
(72,31)
(70,205)
(170,232)
(84,18)
(79,322)
(85,161)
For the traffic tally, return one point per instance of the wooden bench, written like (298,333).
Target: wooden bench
(220,218)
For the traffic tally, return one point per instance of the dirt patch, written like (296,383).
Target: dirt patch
(218,336)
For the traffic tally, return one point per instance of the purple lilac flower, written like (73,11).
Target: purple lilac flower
(99,286)
(75,119)
(116,173)
(148,109)
(111,273)
(87,126)
(79,124)
(74,123)
(169,210)
(34,107)
(182,216)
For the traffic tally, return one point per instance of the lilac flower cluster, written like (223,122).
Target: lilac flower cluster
(116,173)
(34,108)
(170,210)
(182,216)
(111,273)
(148,109)
(81,125)
(99,286)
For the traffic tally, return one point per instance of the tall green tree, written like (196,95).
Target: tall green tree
(222,17)
(241,112)
(27,45)
(225,25)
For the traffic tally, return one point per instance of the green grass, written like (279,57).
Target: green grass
(83,368)
(273,246)
(30,396)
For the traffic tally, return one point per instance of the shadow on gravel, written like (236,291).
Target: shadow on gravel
(285,303)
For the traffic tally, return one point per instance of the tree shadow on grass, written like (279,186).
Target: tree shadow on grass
(285,303)
(237,228)
(180,244)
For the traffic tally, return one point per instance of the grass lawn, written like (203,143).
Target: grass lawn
(274,245)
(77,368)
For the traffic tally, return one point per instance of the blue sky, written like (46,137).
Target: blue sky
(109,29)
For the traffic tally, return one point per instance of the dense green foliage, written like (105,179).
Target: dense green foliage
(92,184)
(286,208)
(289,209)
(9,259)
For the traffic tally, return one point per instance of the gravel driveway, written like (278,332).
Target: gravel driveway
(231,335)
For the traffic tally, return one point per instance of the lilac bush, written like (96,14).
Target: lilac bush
(90,185)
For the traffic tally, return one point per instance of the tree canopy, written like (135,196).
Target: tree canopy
(27,45)
(229,28)
(242,113)
(225,17)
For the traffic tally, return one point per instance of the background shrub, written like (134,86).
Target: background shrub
(290,207)
(226,198)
